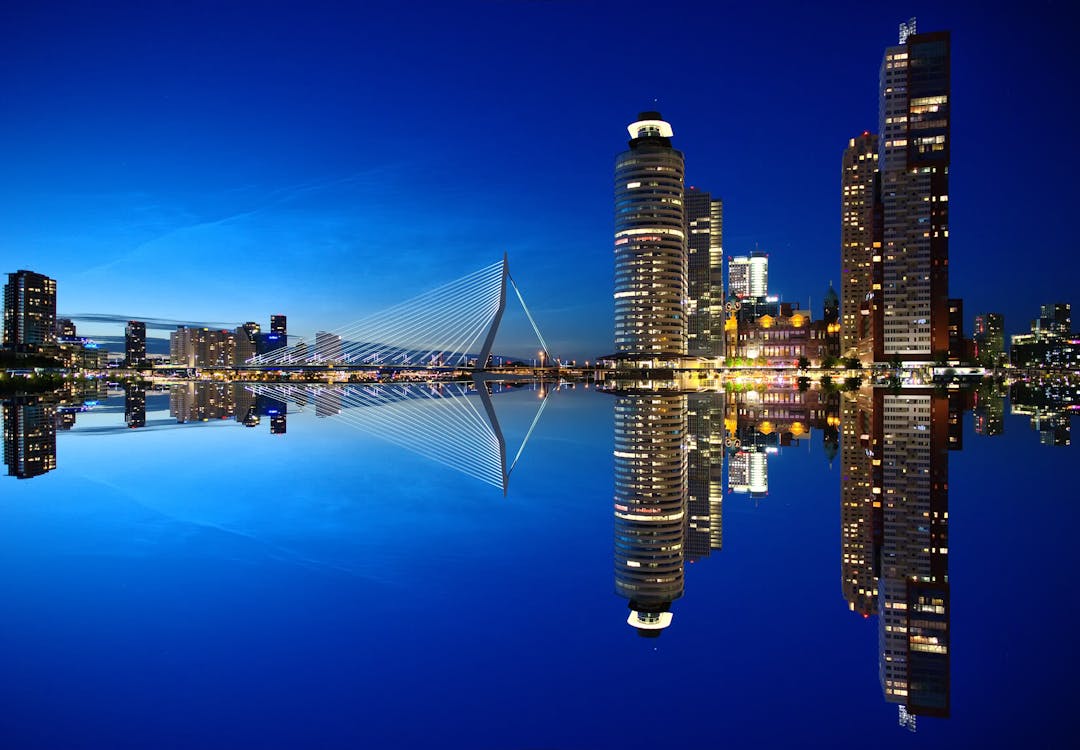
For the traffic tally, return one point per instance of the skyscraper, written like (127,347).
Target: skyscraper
(914,161)
(860,243)
(29,436)
(135,344)
(705,274)
(29,311)
(650,245)
(748,275)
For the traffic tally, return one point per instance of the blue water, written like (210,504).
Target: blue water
(211,585)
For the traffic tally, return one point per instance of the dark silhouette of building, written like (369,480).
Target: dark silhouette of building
(135,344)
(29,436)
(705,274)
(989,340)
(135,405)
(29,311)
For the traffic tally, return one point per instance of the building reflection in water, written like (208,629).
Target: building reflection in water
(29,436)
(650,505)
(670,453)
(894,536)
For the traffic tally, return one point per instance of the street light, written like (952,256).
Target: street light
(541,353)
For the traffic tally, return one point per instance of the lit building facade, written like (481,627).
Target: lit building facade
(650,245)
(860,244)
(748,275)
(29,311)
(914,160)
(705,274)
(202,347)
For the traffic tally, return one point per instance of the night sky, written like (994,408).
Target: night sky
(225,161)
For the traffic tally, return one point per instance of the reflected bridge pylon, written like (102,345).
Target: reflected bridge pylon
(437,330)
(451,423)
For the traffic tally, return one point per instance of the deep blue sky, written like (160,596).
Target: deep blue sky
(189,161)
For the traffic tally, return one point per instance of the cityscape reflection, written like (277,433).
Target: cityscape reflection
(675,452)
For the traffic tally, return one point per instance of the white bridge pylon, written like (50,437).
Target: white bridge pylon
(439,328)
(453,424)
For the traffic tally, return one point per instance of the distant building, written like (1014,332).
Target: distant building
(961,349)
(65,328)
(705,274)
(1051,344)
(29,311)
(748,275)
(246,342)
(135,344)
(989,339)
(650,245)
(202,348)
(278,325)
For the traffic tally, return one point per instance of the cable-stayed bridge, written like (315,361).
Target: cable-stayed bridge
(453,424)
(439,329)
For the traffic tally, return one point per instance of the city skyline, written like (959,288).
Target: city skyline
(240,171)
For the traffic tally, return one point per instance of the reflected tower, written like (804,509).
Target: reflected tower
(29,437)
(914,584)
(650,505)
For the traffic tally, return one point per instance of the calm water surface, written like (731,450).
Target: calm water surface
(317,568)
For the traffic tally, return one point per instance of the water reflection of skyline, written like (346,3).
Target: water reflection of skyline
(448,422)
(678,454)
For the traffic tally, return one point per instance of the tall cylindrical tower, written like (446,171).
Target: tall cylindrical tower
(650,505)
(650,244)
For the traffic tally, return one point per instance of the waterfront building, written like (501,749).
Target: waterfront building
(989,339)
(29,311)
(1051,344)
(914,110)
(860,246)
(65,328)
(135,344)
(278,325)
(650,506)
(748,275)
(202,347)
(650,245)
(705,274)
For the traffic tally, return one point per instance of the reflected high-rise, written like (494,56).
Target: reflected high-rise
(650,505)
(913,598)
(29,436)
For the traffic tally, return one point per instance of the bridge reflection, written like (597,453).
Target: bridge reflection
(453,423)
